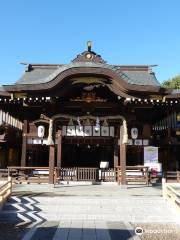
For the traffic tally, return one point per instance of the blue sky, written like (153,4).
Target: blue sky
(122,31)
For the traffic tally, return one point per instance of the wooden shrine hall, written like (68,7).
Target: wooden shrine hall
(88,114)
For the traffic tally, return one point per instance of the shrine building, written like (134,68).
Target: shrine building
(88,113)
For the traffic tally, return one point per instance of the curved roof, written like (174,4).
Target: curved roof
(138,75)
(125,78)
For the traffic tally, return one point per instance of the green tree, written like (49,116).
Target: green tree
(173,82)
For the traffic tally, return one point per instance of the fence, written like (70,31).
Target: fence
(29,174)
(134,174)
(171,192)
(3,173)
(172,176)
(85,174)
(5,191)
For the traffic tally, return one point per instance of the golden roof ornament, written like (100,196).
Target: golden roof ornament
(89,46)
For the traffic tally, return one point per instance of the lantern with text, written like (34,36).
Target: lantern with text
(41,132)
(134,133)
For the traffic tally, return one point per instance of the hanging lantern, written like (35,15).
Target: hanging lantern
(41,131)
(134,133)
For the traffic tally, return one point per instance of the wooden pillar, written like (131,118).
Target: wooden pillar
(123,163)
(122,156)
(59,149)
(116,153)
(168,143)
(51,163)
(24,144)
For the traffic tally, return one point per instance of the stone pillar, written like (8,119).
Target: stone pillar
(24,144)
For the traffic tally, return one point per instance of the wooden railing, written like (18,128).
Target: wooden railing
(3,173)
(88,174)
(172,176)
(108,175)
(171,192)
(41,174)
(5,191)
(29,174)
(66,174)
(134,174)
(77,174)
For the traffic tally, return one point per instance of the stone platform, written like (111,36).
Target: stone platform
(84,212)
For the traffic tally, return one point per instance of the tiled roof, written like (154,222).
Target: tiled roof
(141,78)
(175,91)
(45,73)
(2,88)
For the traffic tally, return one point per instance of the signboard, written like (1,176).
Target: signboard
(111,132)
(151,160)
(145,142)
(79,131)
(150,154)
(138,142)
(96,132)
(130,142)
(105,131)
(155,168)
(104,164)
(87,131)
(71,131)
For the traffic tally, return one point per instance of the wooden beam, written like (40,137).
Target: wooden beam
(51,163)
(24,144)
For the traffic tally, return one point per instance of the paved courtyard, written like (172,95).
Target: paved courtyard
(87,212)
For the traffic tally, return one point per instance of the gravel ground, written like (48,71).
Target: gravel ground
(158,231)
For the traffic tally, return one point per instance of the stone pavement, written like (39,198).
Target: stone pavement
(101,212)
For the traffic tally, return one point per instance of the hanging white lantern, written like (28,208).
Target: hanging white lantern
(41,131)
(134,133)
